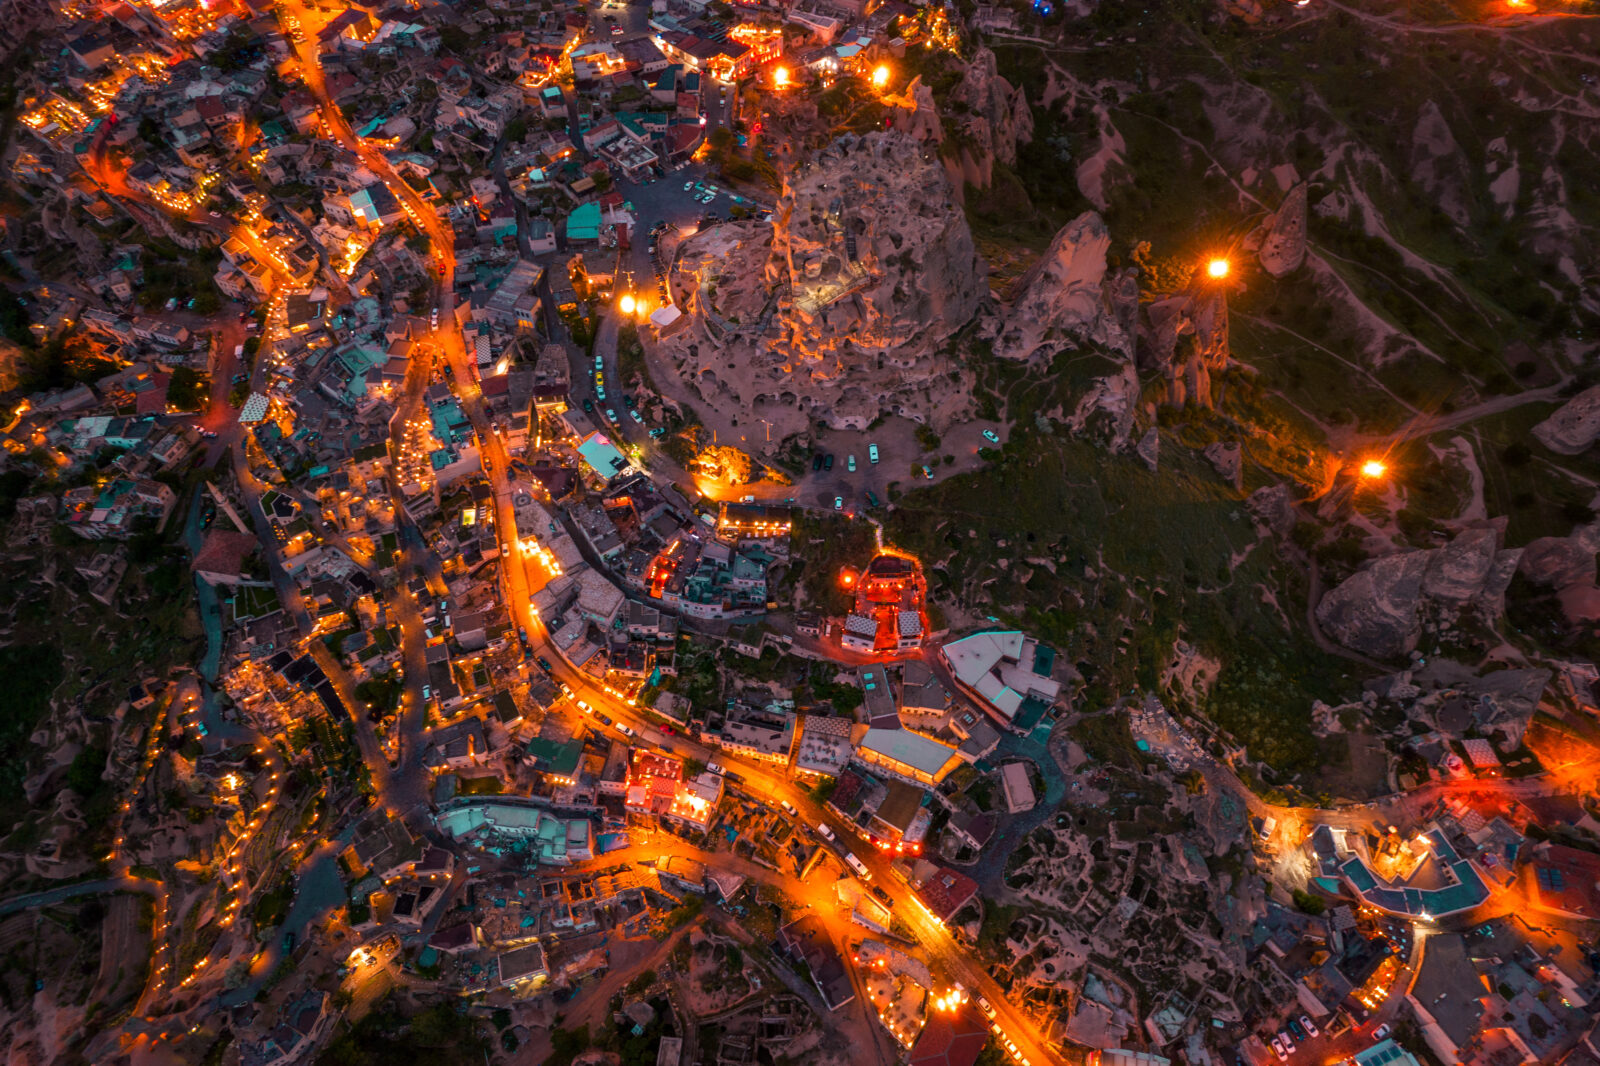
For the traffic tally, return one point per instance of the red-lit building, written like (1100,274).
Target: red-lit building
(890,612)
(656,788)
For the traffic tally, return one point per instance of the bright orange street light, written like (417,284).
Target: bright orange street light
(627,303)
(780,77)
(880,76)
(1218,268)
(1373,469)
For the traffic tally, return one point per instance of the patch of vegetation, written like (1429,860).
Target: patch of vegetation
(273,906)
(441,1035)
(822,545)
(189,390)
(1133,561)
(32,672)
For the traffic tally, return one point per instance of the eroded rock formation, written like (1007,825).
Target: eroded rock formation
(837,308)
(1384,609)
(1573,429)
(1283,235)
(991,117)
(1069,298)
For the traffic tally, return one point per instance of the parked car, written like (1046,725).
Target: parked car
(989,436)
(838,503)
(1277,1049)
(1309,1026)
(1295,1028)
(985,1006)
(850,464)
(872,501)
(788,808)
(604,720)
(927,473)
(611,415)
(1287,1041)
(636,417)
(816,462)
(716,768)
(626,730)
(824,832)
(544,664)
(1381,1033)
(882,896)
(827,461)
(588,405)
(872,454)
(584,707)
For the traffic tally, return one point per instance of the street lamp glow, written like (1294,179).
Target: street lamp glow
(1218,268)
(780,77)
(627,303)
(1373,469)
(880,76)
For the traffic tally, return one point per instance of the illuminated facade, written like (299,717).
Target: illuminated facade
(656,788)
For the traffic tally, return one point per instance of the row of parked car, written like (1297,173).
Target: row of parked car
(824,460)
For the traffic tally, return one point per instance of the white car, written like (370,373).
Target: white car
(636,417)
(688,185)
(716,768)
(788,808)
(824,832)
(584,707)
(985,1006)
(1309,1025)
(626,730)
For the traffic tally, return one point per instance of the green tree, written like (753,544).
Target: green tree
(1308,903)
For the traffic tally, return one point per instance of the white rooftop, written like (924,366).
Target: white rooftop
(999,667)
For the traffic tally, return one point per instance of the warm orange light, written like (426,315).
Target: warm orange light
(1218,268)
(880,76)
(780,77)
(627,304)
(1372,468)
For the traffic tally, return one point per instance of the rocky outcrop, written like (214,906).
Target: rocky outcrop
(1574,428)
(835,311)
(870,255)
(1375,610)
(1283,235)
(1185,339)
(915,113)
(1149,448)
(1453,699)
(1227,458)
(1566,566)
(992,119)
(1384,609)
(1106,411)
(1070,298)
